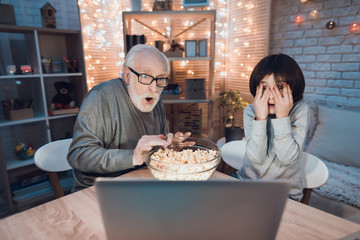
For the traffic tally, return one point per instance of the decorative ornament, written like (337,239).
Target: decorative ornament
(298,19)
(354,27)
(330,25)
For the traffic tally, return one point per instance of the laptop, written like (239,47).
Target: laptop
(214,209)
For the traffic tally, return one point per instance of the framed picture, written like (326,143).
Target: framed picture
(190,48)
(202,48)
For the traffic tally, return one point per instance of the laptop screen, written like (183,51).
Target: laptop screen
(213,209)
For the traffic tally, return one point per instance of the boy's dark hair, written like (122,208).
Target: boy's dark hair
(284,68)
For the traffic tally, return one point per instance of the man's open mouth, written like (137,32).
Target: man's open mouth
(149,99)
(271,105)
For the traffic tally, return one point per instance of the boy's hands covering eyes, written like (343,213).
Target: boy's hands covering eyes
(261,102)
(283,102)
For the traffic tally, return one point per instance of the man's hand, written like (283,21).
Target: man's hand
(261,102)
(146,143)
(283,102)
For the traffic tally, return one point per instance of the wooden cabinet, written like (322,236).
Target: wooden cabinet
(164,29)
(39,57)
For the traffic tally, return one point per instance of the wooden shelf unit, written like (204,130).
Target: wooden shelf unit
(180,25)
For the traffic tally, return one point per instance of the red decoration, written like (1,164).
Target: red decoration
(355,26)
(298,19)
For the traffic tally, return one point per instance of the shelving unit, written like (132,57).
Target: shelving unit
(28,46)
(181,25)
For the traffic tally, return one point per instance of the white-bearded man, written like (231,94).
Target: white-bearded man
(121,119)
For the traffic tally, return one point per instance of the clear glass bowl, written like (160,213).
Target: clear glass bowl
(198,171)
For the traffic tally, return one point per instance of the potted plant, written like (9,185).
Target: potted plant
(231,101)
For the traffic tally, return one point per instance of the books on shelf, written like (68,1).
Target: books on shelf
(64,111)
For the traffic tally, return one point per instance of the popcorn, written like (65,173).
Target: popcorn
(188,164)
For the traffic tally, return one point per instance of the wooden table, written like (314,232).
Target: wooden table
(77,216)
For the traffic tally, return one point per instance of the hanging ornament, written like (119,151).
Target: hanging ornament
(330,25)
(354,27)
(298,19)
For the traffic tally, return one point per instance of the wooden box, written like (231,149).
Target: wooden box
(14,115)
(7,14)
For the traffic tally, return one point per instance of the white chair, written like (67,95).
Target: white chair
(52,158)
(316,172)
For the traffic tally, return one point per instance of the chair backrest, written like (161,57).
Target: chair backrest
(233,153)
(52,157)
(316,172)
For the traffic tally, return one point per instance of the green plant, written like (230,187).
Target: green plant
(231,102)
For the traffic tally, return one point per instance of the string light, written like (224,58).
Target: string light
(314,13)
(330,25)
(100,43)
(298,19)
(354,27)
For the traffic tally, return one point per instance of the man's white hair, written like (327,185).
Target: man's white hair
(130,57)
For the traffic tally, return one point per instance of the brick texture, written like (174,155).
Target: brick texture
(329,58)
(28,13)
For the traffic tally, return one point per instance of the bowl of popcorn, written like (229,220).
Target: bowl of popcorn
(192,159)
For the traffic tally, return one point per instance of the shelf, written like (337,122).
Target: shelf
(178,14)
(29,120)
(24,29)
(48,75)
(186,101)
(190,58)
(19,76)
(16,163)
(62,116)
(29,46)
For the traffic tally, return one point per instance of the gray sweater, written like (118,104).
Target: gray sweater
(274,147)
(107,130)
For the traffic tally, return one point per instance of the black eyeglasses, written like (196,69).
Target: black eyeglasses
(147,79)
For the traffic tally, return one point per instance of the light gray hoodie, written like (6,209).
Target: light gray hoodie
(274,147)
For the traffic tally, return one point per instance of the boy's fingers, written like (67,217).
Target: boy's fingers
(276,93)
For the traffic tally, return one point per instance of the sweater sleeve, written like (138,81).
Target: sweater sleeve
(256,137)
(290,134)
(93,132)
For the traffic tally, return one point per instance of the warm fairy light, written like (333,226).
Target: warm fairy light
(314,13)
(298,19)
(354,27)
(103,36)
(99,41)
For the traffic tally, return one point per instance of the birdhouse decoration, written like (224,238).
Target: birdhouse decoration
(48,16)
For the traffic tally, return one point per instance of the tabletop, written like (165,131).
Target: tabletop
(77,216)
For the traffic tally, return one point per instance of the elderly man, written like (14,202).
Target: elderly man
(121,119)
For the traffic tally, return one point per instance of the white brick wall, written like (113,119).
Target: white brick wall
(330,59)
(27,12)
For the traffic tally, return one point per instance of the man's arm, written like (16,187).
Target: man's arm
(93,132)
